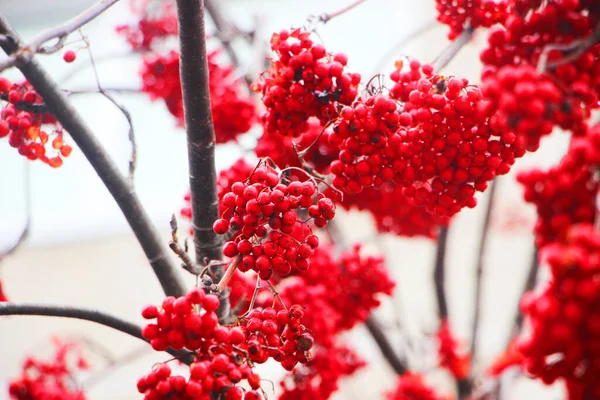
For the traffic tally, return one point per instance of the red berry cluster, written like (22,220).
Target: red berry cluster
(40,380)
(279,335)
(149,28)
(233,112)
(564,317)
(449,356)
(319,378)
(261,212)
(178,325)
(304,81)
(458,14)
(21,120)
(395,213)
(510,358)
(207,379)
(521,100)
(280,149)
(412,386)
(449,151)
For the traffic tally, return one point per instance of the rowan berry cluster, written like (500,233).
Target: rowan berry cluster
(448,352)
(412,386)
(458,14)
(395,213)
(303,81)
(22,119)
(312,146)
(564,316)
(150,27)
(448,151)
(261,214)
(52,379)
(233,111)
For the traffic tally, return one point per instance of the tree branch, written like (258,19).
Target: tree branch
(117,185)
(200,137)
(329,16)
(439,272)
(60,32)
(444,58)
(87,314)
(384,345)
(530,281)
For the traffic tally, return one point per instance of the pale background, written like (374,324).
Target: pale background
(81,251)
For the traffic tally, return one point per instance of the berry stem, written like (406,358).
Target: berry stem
(200,137)
(117,185)
(329,16)
(231,268)
(448,54)
(483,238)
(87,314)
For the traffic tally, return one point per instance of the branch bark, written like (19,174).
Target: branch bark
(87,314)
(118,186)
(200,137)
(385,346)
(439,273)
(452,50)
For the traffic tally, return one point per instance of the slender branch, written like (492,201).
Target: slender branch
(385,346)
(200,137)
(571,51)
(60,32)
(25,231)
(479,269)
(117,185)
(444,58)
(174,245)
(223,27)
(329,16)
(87,314)
(439,272)
(231,268)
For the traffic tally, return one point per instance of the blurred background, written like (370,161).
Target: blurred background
(80,249)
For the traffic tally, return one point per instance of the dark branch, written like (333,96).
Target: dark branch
(439,272)
(200,136)
(99,317)
(385,346)
(452,50)
(120,189)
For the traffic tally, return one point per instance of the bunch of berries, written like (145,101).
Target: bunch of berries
(150,28)
(233,111)
(564,316)
(303,81)
(458,14)
(21,121)
(449,356)
(412,386)
(261,214)
(50,379)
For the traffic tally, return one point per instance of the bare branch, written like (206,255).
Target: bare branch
(60,32)
(385,346)
(439,273)
(530,281)
(231,268)
(200,137)
(117,185)
(87,314)
(174,245)
(444,58)
(329,16)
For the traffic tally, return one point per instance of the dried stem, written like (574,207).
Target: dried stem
(231,268)
(444,58)
(385,346)
(200,137)
(174,245)
(87,314)
(117,185)
(329,16)
(439,273)
(60,32)
(479,269)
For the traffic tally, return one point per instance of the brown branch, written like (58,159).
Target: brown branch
(60,32)
(231,268)
(87,314)
(329,16)
(439,272)
(117,185)
(444,58)
(479,269)
(385,346)
(200,137)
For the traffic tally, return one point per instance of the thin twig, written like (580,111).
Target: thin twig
(60,32)
(231,268)
(174,245)
(87,314)
(200,137)
(573,50)
(324,18)
(483,238)
(25,232)
(117,185)
(444,58)
(439,273)
(385,346)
